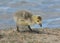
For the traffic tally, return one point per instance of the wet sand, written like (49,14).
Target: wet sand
(44,36)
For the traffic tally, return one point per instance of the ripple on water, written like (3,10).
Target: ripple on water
(9,6)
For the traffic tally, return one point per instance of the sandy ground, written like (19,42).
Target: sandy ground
(44,36)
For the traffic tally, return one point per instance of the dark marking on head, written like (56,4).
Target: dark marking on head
(39,18)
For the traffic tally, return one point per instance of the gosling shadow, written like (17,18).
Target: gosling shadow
(33,31)
(1,36)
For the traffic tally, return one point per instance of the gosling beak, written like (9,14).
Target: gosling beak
(40,25)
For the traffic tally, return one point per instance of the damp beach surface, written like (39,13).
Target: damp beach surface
(44,36)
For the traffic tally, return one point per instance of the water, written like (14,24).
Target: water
(48,9)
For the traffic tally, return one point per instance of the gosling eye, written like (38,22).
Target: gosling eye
(37,20)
